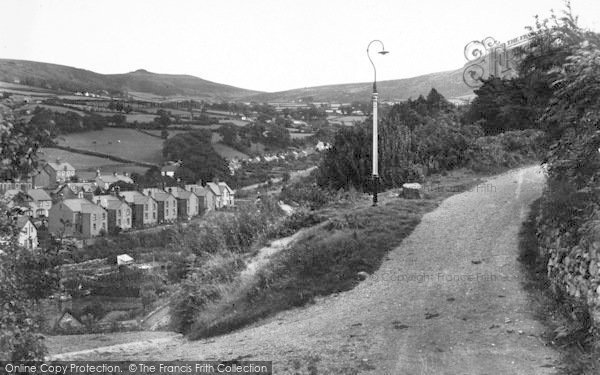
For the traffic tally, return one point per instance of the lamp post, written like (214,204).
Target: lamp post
(374,98)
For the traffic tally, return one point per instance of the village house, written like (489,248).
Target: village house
(187,202)
(105,180)
(77,218)
(119,212)
(53,173)
(144,209)
(206,198)
(18,202)
(167,204)
(27,233)
(169,169)
(227,195)
(74,190)
(214,189)
(17,185)
(40,202)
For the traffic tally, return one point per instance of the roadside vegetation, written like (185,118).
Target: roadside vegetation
(551,112)
(346,238)
(558,91)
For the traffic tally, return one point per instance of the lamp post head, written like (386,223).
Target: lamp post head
(383,52)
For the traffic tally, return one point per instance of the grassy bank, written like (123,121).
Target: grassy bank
(327,259)
(568,320)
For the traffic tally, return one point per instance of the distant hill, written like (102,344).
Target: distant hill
(450,84)
(142,83)
(66,78)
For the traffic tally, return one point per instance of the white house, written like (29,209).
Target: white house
(28,233)
(227,195)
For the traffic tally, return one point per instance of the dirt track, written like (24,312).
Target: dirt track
(448,300)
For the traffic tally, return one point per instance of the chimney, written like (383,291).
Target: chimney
(97,172)
(115,174)
(57,160)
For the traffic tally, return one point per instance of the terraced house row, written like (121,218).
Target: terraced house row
(88,209)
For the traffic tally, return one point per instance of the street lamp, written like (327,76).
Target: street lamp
(375,147)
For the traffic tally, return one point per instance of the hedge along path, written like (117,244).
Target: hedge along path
(448,300)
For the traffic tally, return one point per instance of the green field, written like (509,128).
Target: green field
(54,108)
(131,117)
(125,143)
(87,165)
(228,152)
(234,122)
(300,135)
(129,144)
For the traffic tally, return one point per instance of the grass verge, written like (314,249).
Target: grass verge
(327,259)
(567,319)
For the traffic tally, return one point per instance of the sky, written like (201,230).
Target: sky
(266,45)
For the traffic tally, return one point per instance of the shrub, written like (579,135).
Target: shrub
(301,218)
(305,193)
(188,301)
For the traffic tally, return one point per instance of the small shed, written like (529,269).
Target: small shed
(67,322)
(124,260)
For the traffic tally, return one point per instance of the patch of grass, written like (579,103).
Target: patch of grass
(327,260)
(567,319)
(125,143)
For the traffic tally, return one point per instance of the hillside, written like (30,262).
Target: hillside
(66,78)
(142,83)
(449,84)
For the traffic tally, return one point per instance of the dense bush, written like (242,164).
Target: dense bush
(305,193)
(568,225)
(507,150)
(413,147)
(200,160)
(301,218)
(210,257)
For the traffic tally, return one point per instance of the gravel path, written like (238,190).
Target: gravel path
(448,300)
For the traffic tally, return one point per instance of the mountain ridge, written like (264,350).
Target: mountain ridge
(67,78)
(71,79)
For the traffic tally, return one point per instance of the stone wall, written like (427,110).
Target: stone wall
(571,243)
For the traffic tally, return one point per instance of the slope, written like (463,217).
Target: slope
(66,78)
(449,84)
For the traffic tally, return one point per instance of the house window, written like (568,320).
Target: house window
(146,207)
(167,204)
(119,213)
(145,215)
(94,217)
(94,226)
(104,216)
(104,226)
(154,215)
(118,221)
(174,212)
(128,222)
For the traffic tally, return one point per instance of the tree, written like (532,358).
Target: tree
(25,276)
(163,119)
(199,159)
(520,102)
